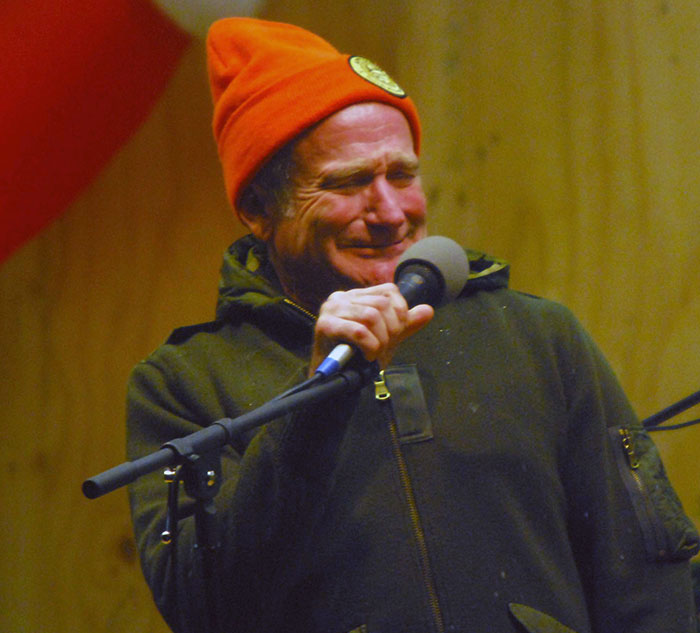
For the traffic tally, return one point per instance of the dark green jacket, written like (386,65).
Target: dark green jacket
(505,485)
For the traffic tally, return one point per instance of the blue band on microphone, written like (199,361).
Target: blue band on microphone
(337,359)
(328,366)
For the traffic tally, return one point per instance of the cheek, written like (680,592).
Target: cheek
(414,204)
(333,218)
(310,234)
(289,239)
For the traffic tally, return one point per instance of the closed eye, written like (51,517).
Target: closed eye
(400,173)
(402,177)
(347,181)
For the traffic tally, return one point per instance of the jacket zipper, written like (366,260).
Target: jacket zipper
(627,442)
(383,395)
(298,308)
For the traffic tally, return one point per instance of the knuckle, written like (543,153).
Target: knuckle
(369,316)
(335,297)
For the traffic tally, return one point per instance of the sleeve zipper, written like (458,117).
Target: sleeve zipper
(651,526)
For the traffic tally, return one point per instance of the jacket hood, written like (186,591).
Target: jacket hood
(249,288)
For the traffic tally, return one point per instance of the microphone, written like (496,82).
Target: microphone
(434,270)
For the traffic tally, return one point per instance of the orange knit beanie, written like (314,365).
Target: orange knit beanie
(270,81)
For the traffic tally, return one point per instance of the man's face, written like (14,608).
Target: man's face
(357,205)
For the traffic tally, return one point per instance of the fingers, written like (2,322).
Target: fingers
(366,318)
(374,320)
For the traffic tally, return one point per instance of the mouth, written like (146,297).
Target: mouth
(384,249)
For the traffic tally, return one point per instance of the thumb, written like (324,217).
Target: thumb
(418,317)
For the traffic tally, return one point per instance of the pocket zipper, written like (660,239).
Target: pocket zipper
(655,540)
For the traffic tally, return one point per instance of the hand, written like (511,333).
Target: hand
(374,320)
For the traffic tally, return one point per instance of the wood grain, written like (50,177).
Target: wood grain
(564,137)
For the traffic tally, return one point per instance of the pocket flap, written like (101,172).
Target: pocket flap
(408,402)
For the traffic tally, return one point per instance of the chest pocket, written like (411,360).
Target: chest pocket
(408,403)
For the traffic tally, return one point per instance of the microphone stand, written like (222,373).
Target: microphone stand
(653,422)
(195,459)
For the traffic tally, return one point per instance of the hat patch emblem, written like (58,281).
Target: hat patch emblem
(369,71)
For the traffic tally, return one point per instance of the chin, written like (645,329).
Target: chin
(380,274)
(363,272)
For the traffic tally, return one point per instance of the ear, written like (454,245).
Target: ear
(256,213)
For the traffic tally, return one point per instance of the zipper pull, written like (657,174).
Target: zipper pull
(628,446)
(381,391)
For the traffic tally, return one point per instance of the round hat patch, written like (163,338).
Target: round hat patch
(374,74)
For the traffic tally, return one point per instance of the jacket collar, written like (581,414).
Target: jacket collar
(249,288)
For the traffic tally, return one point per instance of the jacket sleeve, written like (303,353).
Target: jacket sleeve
(629,533)
(261,506)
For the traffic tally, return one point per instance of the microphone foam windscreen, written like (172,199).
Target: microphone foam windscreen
(445,256)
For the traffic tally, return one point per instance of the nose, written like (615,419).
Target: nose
(384,204)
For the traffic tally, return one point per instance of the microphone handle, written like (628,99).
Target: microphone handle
(420,283)
(336,360)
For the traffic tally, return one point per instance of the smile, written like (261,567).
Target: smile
(383,249)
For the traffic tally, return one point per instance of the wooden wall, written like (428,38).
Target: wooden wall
(564,136)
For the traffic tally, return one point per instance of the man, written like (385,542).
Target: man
(493,479)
